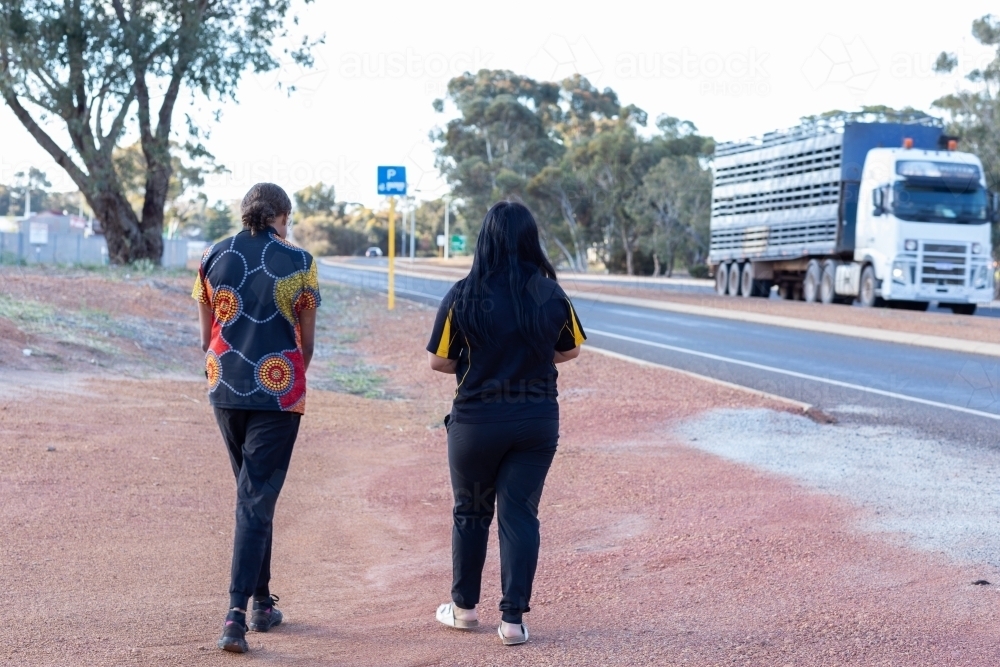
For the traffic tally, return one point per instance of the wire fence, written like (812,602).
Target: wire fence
(76,250)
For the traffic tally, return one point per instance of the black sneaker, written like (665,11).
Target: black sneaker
(234,633)
(265,615)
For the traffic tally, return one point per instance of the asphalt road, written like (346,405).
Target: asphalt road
(940,394)
(676,286)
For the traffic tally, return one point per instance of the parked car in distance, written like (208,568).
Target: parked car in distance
(374,251)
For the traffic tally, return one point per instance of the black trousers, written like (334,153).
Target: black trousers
(260,448)
(502,464)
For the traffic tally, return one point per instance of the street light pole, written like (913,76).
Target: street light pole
(413,230)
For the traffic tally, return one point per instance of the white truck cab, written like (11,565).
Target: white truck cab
(923,228)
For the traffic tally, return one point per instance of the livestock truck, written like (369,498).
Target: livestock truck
(882,213)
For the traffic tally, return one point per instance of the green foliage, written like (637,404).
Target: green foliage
(974,114)
(698,271)
(37,181)
(85,328)
(877,113)
(219,222)
(573,152)
(91,68)
(315,200)
(360,380)
(325,226)
(675,203)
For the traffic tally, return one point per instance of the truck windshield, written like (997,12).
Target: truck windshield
(927,202)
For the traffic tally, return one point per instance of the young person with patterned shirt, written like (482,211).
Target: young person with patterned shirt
(257,296)
(501,330)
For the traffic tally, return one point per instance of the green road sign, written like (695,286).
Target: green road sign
(457,243)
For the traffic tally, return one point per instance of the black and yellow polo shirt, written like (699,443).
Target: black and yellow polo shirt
(508,381)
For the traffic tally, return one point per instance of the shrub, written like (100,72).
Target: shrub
(698,271)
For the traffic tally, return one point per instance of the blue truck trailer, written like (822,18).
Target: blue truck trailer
(882,213)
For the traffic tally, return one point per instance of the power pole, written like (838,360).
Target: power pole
(447,236)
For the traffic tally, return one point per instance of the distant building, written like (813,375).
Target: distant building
(60,223)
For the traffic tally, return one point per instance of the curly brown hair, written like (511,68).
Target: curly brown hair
(262,205)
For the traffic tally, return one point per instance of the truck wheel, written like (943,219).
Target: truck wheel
(734,279)
(866,295)
(721,278)
(747,283)
(810,283)
(963,308)
(827,279)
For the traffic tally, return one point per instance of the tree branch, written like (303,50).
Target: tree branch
(109,140)
(45,141)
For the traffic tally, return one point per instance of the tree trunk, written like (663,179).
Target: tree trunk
(157,183)
(656,264)
(566,253)
(629,268)
(121,228)
(570,217)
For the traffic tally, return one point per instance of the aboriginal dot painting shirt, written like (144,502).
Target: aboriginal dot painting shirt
(256,286)
(507,380)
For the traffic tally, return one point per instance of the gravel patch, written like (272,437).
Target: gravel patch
(939,496)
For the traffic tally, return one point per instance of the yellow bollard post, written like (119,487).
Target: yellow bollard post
(392,253)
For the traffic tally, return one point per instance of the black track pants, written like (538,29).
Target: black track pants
(501,463)
(260,447)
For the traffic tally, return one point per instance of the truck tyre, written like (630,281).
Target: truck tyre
(866,292)
(963,308)
(734,279)
(810,283)
(827,282)
(747,283)
(721,278)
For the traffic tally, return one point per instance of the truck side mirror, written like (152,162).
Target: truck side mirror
(878,201)
(994,207)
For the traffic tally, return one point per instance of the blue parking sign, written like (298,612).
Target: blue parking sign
(392,180)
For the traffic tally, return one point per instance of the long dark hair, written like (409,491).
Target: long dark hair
(262,205)
(509,237)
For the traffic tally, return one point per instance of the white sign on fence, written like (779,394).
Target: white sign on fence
(38,233)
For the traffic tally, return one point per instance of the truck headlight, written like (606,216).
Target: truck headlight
(982,278)
(900,273)
(911,245)
(977,248)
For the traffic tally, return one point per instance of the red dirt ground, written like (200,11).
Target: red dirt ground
(115,547)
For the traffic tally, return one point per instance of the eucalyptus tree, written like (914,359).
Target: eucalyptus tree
(676,199)
(500,139)
(78,74)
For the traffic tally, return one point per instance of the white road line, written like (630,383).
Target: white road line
(805,407)
(796,374)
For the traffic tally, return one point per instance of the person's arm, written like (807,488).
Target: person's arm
(307,328)
(442,355)
(205,320)
(442,365)
(567,355)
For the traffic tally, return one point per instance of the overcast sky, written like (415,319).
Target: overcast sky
(735,69)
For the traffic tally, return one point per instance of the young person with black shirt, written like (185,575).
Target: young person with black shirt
(501,330)
(257,296)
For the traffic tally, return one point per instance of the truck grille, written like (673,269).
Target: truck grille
(943,264)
